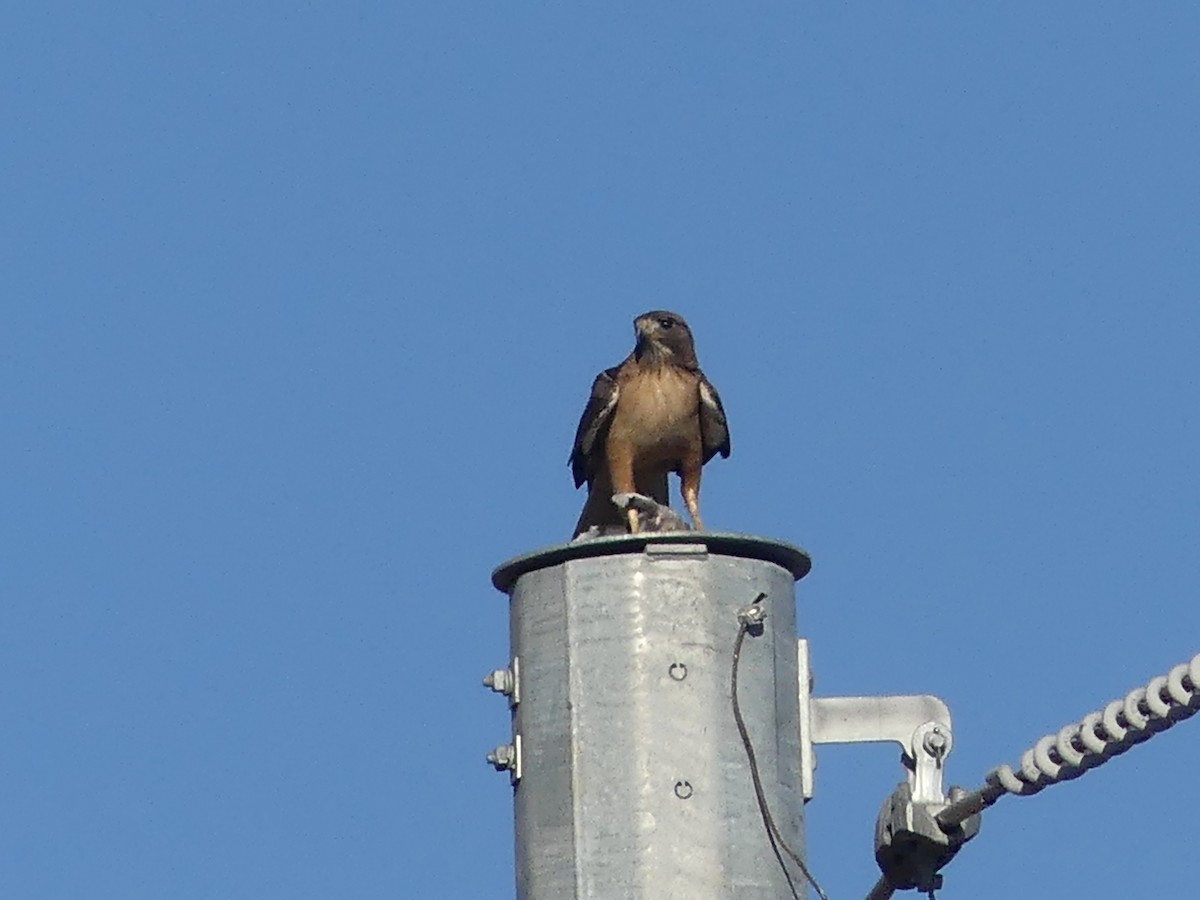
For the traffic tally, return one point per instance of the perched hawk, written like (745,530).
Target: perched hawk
(654,413)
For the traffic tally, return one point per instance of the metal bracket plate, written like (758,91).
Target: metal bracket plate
(919,723)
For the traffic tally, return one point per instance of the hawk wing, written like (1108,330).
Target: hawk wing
(593,426)
(714,429)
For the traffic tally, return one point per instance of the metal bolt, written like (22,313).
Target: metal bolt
(678,671)
(935,743)
(503,758)
(752,616)
(500,681)
(683,789)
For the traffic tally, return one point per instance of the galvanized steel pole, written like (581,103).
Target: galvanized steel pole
(630,777)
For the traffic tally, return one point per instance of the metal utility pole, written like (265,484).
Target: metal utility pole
(664,732)
(630,774)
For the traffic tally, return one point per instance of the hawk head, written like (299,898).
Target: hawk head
(664,337)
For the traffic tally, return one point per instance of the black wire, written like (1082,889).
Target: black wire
(773,833)
(762,806)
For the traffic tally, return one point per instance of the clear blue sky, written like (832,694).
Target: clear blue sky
(301,303)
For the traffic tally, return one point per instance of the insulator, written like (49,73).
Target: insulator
(1154,700)
(1116,731)
(1063,744)
(1178,690)
(1101,735)
(1089,735)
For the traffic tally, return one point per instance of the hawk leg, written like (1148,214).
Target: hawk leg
(620,467)
(689,486)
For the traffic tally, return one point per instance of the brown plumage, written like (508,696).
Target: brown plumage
(654,413)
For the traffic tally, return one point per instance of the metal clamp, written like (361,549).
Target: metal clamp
(911,847)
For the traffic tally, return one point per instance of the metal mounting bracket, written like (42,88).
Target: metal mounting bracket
(911,846)
(919,723)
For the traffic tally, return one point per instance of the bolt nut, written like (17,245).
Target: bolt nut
(752,615)
(503,758)
(500,680)
(935,743)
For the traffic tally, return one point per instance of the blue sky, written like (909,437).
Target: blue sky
(301,304)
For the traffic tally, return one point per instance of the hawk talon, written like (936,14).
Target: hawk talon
(650,515)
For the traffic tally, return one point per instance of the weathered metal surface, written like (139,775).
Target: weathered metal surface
(634,781)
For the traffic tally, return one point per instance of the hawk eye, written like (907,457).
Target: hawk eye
(666,322)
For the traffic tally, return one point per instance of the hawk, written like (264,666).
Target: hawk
(654,413)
